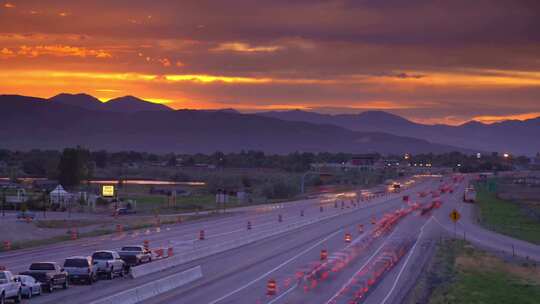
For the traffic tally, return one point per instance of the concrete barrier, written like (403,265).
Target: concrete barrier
(152,289)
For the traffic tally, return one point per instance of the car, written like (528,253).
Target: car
(108,263)
(49,274)
(80,269)
(123,211)
(135,255)
(22,215)
(29,286)
(10,289)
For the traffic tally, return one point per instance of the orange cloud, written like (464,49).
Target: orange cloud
(165,62)
(244,48)
(107,90)
(382,105)
(212,78)
(61,51)
(6,53)
(467,78)
(498,118)
(9,5)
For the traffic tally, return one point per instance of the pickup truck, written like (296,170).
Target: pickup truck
(109,263)
(135,255)
(9,288)
(49,274)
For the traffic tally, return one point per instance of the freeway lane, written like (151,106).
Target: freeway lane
(402,278)
(174,235)
(279,258)
(240,275)
(259,254)
(341,286)
(236,266)
(179,236)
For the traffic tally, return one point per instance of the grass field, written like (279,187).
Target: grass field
(506,217)
(161,204)
(460,273)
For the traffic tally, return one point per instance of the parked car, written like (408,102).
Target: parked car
(29,286)
(125,211)
(10,289)
(135,255)
(49,274)
(22,215)
(108,263)
(80,268)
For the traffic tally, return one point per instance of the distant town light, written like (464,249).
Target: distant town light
(506,155)
(459,165)
(407,156)
(478,155)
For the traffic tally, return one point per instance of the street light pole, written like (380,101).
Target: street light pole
(3,201)
(303,182)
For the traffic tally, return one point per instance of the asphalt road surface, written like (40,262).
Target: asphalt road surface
(379,265)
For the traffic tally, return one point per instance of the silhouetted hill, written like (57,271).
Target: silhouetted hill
(27,123)
(131,104)
(79,100)
(510,136)
(126,104)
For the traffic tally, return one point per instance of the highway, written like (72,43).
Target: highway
(292,258)
(184,235)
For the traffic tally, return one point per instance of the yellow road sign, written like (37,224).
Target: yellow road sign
(107,191)
(455,215)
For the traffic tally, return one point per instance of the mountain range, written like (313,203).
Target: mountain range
(126,104)
(514,136)
(130,123)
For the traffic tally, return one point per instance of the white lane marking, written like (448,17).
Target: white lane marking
(283,294)
(360,269)
(406,262)
(276,268)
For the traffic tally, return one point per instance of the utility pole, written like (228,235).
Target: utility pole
(303,181)
(3,201)
(44,203)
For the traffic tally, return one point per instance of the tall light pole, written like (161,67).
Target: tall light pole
(3,201)
(303,181)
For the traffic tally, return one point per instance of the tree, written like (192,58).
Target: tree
(74,166)
(101,158)
(172,161)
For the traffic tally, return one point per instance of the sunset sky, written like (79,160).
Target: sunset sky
(431,61)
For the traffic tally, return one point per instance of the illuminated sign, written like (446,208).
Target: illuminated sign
(107,191)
